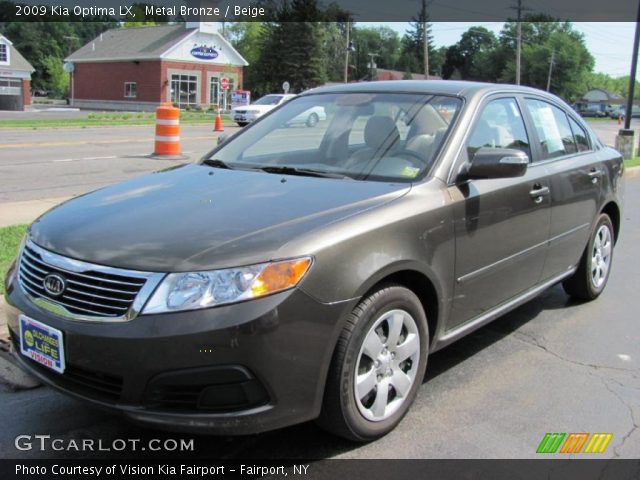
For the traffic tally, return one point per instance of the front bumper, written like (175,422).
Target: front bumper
(236,369)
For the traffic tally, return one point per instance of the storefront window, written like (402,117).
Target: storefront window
(184,90)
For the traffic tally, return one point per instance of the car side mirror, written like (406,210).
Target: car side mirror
(222,138)
(497,163)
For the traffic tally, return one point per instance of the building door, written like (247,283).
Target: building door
(11,94)
(220,97)
(184,90)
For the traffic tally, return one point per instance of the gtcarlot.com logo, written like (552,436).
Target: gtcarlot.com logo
(574,442)
(46,442)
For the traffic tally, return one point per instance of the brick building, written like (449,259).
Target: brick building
(15,77)
(138,68)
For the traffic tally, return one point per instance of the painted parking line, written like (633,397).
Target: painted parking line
(109,157)
(95,142)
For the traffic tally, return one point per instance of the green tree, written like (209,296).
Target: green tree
(384,42)
(291,49)
(58,79)
(470,58)
(245,38)
(543,38)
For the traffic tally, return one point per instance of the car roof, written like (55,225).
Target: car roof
(438,87)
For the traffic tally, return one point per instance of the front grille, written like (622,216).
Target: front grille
(87,293)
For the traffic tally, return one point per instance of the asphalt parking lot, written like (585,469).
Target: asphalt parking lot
(552,365)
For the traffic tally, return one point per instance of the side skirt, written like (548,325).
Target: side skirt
(451,336)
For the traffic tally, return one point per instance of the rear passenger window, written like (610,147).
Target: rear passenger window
(582,139)
(500,126)
(552,126)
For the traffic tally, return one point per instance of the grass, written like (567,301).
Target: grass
(10,238)
(633,162)
(110,119)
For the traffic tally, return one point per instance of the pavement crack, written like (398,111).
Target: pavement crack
(533,341)
(634,422)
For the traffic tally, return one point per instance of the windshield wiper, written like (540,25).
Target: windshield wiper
(214,162)
(306,172)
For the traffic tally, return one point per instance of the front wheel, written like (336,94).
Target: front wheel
(378,365)
(595,265)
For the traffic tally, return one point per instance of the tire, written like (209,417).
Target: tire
(312,120)
(591,277)
(242,124)
(370,417)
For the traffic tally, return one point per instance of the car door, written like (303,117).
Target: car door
(575,178)
(501,225)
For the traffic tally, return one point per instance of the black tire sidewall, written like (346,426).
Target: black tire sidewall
(390,298)
(312,120)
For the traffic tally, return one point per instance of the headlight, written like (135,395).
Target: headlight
(195,290)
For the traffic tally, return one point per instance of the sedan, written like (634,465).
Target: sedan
(249,113)
(307,275)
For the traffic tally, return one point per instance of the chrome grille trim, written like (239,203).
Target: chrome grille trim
(86,297)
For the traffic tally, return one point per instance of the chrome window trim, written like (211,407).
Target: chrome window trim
(152,280)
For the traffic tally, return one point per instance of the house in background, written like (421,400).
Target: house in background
(15,77)
(138,68)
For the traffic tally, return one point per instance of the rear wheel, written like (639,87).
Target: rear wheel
(378,365)
(312,120)
(595,265)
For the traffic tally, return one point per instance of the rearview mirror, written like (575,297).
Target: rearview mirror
(497,163)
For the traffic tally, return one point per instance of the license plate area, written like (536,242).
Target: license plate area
(41,343)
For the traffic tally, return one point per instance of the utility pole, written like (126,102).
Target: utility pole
(349,48)
(553,56)
(372,64)
(425,40)
(519,8)
(625,137)
(632,78)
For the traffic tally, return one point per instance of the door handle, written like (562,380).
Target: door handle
(539,192)
(595,174)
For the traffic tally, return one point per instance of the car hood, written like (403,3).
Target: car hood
(197,217)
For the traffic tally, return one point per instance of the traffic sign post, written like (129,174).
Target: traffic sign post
(286,87)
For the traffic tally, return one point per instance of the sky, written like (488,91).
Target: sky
(611,43)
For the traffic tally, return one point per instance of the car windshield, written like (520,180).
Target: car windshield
(268,100)
(363,136)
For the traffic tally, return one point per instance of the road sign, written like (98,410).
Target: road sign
(286,87)
(224,83)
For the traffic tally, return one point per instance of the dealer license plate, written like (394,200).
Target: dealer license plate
(42,343)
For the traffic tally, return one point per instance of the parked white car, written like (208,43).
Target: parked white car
(247,114)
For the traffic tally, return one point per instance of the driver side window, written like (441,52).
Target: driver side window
(500,125)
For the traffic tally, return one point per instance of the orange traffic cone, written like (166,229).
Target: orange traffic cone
(218,125)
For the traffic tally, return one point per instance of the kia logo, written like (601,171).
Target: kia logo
(54,284)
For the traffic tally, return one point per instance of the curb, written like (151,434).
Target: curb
(632,172)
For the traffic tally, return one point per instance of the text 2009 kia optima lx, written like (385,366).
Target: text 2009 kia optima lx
(298,274)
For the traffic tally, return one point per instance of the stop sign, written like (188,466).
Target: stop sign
(224,83)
